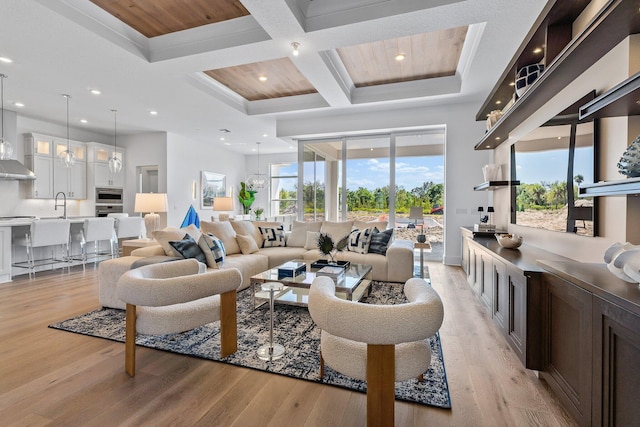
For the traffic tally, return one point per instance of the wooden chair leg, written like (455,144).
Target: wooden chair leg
(421,378)
(130,341)
(228,324)
(380,385)
(321,366)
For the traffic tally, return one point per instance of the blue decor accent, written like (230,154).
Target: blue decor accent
(191,218)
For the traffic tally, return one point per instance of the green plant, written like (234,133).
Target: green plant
(258,212)
(246,197)
(327,246)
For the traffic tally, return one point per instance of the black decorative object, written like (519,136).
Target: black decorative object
(526,76)
(629,164)
(325,262)
(422,238)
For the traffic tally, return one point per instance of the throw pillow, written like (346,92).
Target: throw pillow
(337,230)
(359,240)
(298,236)
(213,250)
(380,241)
(164,236)
(264,224)
(272,237)
(312,240)
(224,231)
(188,248)
(247,244)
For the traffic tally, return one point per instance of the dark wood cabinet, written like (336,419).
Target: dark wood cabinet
(500,305)
(485,285)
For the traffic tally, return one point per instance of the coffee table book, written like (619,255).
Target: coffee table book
(324,263)
(335,273)
(291,269)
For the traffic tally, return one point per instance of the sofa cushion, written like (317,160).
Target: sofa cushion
(361,225)
(359,240)
(279,255)
(165,235)
(312,240)
(213,250)
(188,248)
(247,244)
(247,228)
(224,231)
(298,236)
(337,230)
(272,237)
(264,224)
(380,241)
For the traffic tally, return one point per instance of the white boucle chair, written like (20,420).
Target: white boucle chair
(177,296)
(370,342)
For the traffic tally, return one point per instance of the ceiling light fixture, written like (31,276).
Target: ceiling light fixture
(115,164)
(153,113)
(262,78)
(537,50)
(6,60)
(6,148)
(295,46)
(400,57)
(66,157)
(95,91)
(18,104)
(257,181)
(83,121)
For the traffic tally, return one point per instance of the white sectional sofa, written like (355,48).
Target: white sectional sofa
(245,250)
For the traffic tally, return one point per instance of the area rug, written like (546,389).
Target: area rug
(293,327)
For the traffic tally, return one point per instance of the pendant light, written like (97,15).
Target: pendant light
(6,148)
(66,157)
(257,181)
(115,164)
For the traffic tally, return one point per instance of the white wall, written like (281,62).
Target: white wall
(463,165)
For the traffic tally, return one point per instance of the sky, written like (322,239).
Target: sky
(550,166)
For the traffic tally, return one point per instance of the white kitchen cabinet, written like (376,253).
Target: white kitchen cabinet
(5,254)
(71,181)
(38,157)
(99,155)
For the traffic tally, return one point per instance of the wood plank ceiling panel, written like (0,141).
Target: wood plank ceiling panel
(427,55)
(158,17)
(282,79)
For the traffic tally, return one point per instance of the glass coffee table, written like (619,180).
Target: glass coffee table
(354,286)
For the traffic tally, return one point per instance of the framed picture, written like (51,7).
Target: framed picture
(212,185)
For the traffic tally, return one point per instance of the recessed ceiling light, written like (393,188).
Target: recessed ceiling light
(497,138)
(6,60)
(498,102)
(264,135)
(227,143)
(95,91)
(18,104)
(512,83)
(400,57)
(295,46)
(253,149)
(222,139)
(153,113)
(537,50)
(262,78)
(83,121)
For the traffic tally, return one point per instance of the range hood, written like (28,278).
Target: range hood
(14,170)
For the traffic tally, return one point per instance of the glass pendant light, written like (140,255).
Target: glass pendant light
(257,181)
(66,157)
(6,148)
(115,164)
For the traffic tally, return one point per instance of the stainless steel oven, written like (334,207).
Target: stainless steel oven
(109,196)
(104,210)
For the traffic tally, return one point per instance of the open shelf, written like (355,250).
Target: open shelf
(621,100)
(611,188)
(611,25)
(494,185)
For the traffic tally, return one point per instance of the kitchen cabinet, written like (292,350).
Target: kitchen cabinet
(38,156)
(99,155)
(5,254)
(71,181)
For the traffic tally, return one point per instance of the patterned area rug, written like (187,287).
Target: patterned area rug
(293,327)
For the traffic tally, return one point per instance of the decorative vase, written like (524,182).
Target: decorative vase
(629,164)
(491,172)
(494,116)
(422,238)
(526,76)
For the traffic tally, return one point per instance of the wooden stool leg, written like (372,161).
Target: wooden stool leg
(321,366)
(380,385)
(130,341)
(228,324)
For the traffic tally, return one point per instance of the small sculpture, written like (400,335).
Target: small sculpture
(629,163)
(623,260)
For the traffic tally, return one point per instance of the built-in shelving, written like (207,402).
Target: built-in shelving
(494,185)
(611,188)
(617,20)
(621,100)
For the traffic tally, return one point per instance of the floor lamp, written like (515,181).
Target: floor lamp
(151,203)
(223,204)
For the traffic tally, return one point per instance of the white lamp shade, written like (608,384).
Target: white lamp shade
(223,203)
(151,202)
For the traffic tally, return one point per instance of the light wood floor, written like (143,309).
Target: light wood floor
(51,377)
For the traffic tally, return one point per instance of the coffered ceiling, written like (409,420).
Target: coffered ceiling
(198,62)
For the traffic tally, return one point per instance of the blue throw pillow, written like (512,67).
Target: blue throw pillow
(188,248)
(380,241)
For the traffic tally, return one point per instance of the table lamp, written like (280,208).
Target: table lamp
(151,203)
(223,204)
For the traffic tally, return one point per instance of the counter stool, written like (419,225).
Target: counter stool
(51,233)
(127,227)
(96,230)
(271,351)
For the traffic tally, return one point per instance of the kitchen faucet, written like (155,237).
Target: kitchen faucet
(64,203)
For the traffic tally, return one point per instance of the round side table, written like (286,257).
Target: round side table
(271,351)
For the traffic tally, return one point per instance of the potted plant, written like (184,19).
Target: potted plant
(327,246)
(258,212)
(246,197)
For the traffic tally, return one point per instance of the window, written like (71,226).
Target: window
(284,188)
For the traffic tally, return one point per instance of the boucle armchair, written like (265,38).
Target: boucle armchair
(177,296)
(372,342)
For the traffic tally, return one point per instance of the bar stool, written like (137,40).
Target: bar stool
(271,351)
(128,227)
(52,233)
(96,230)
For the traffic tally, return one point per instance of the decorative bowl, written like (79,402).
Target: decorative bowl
(509,241)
